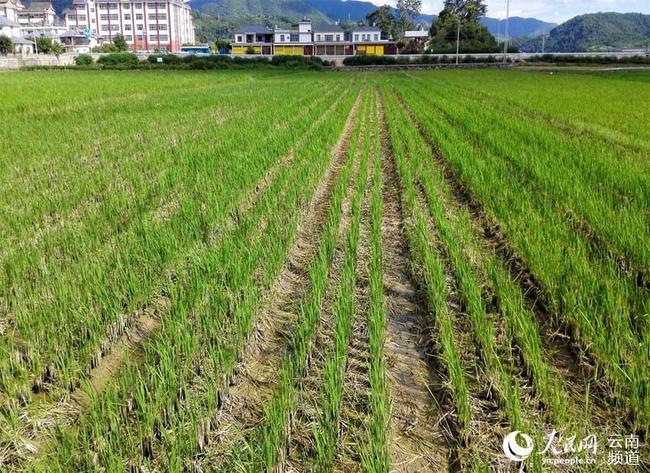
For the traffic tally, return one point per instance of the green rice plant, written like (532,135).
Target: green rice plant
(427,262)
(375,457)
(326,433)
(269,438)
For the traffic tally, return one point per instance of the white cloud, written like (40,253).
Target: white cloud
(549,10)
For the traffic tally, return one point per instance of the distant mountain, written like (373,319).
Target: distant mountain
(286,11)
(352,10)
(333,10)
(517,27)
(596,32)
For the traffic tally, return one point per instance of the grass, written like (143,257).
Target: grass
(145,228)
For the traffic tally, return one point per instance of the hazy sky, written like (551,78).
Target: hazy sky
(549,10)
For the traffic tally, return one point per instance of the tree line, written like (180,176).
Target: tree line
(459,19)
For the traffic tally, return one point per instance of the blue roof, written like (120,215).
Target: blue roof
(4,21)
(254,29)
(325,28)
(366,28)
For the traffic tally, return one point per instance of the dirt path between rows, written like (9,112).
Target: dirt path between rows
(128,335)
(255,377)
(418,442)
(308,406)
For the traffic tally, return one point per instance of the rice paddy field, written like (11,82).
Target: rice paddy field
(302,271)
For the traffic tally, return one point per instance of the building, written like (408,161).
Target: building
(10,8)
(37,14)
(367,40)
(147,26)
(39,20)
(76,42)
(417,36)
(13,31)
(253,39)
(296,41)
(330,40)
(303,40)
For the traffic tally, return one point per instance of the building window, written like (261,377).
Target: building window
(140,27)
(240,39)
(127,17)
(338,37)
(128,37)
(138,6)
(329,37)
(164,37)
(126,6)
(295,38)
(160,16)
(127,27)
(356,37)
(376,37)
(112,5)
(138,16)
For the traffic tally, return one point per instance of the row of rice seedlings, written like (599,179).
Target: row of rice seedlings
(327,428)
(74,205)
(264,444)
(177,270)
(208,322)
(41,186)
(584,294)
(375,455)
(455,236)
(85,351)
(580,174)
(520,322)
(267,262)
(424,256)
(581,103)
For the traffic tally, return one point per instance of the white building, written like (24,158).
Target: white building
(304,40)
(37,14)
(294,41)
(147,26)
(13,31)
(10,9)
(330,40)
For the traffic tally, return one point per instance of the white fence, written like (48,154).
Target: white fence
(16,61)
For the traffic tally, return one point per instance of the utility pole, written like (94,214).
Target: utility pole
(458,41)
(505,45)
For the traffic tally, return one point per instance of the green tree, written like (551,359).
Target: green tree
(221,45)
(384,19)
(407,12)
(6,45)
(467,10)
(120,42)
(44,44)
(474,37)
(57,49)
